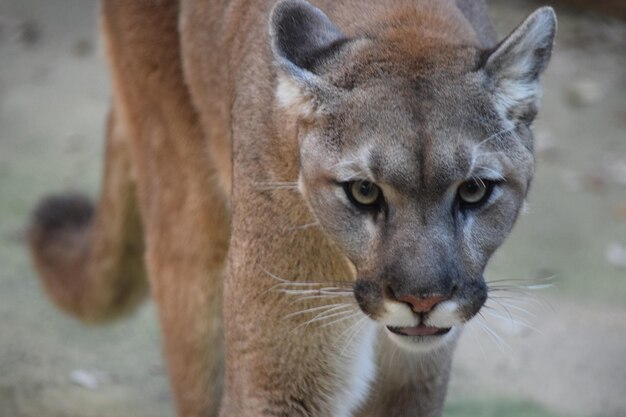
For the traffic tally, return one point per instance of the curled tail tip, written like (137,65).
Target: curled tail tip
(57,215)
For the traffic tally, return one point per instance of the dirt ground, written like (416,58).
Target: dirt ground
(566,359)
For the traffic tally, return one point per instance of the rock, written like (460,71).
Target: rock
(90,379)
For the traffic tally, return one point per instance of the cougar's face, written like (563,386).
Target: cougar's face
(418,184)
(414,161)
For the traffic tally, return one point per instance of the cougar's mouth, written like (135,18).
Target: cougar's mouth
(419,330)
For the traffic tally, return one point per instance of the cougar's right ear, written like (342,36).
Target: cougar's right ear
(302,38)
(516,64)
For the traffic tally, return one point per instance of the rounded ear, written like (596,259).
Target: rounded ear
(302,37)
(516,64)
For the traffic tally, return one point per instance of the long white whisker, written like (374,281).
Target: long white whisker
(315,297)
(549,279)
(499,341)
(489,333)
(482,142)
(514,321)
(501,305)
(347,330)
(363,322)
(316,292)
(310,310)
(509,305)
(351,316)
(480,343)
(495,135)
(526,289)
(528,300)
(322,316)
(284,281)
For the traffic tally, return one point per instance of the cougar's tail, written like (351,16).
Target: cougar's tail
(90,260)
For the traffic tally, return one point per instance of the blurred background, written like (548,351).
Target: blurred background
(554,352)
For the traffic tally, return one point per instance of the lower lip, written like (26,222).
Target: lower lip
(421,330)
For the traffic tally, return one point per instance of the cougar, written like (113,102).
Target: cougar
(312,192)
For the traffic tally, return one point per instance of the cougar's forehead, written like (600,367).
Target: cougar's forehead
(410,135)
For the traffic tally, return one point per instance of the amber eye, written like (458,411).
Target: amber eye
(475,191)
(363,193)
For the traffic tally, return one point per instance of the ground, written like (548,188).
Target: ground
(567,360)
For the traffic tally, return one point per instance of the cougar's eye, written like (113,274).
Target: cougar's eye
(474,192)
(363,193)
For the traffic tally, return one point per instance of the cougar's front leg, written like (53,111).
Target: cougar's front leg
(185,217)
(288,353)
(408,384)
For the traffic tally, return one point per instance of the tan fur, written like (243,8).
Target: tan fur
(200,146)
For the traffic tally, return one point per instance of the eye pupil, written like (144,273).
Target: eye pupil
(474,191)
(363,193)
(471,187)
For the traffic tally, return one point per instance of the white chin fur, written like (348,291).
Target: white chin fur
(444,315)
(398,315)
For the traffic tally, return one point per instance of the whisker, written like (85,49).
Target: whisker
(322,316)
(301,284)
(312,309)
(314,297)
(522,288)
(286,281)
(513,307)
(362,322)
(526,299)
(501,305)
(549,279)
(348,329)
(518,308)
(284,285)
(515,321)
(304,226)
(351,316)
(337,292)
(495,135)
(484,141)
(480,343)
(495,336)
(496,174)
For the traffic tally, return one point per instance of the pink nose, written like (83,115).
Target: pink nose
(421,304)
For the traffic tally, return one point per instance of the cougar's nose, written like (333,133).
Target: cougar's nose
(421,304)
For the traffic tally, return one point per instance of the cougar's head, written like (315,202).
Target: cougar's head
(415,154)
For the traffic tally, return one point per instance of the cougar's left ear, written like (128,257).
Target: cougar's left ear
(302,38)
(515,65)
